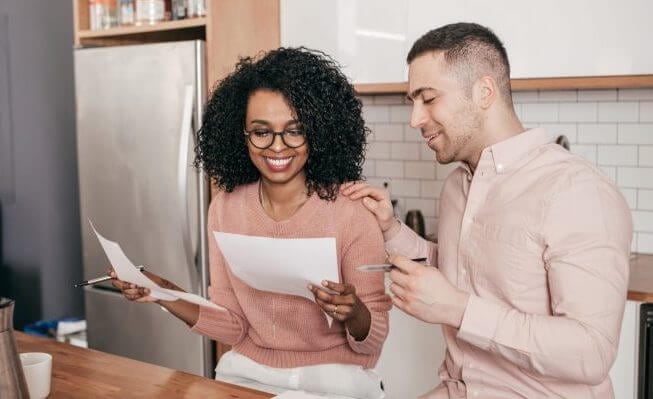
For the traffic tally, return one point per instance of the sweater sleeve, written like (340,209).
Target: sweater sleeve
(227,327)
(363,244)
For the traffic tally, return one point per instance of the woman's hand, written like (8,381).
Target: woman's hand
(136,293)
(343,304)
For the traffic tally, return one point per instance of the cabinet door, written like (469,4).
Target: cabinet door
(555,38)
(367,37)
(624,370)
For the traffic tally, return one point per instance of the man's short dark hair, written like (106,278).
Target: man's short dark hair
(472,50)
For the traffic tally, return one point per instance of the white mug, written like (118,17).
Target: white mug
(37,367)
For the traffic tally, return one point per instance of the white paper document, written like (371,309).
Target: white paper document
(280,265)
(126,271)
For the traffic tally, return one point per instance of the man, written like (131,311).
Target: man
(533,241)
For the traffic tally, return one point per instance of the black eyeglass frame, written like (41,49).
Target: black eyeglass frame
(282,133)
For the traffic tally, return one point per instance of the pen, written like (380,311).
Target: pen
(384,267)
(98,279)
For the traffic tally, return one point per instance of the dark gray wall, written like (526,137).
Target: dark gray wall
(40,250)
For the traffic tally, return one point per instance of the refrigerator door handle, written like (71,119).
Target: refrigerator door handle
(182,173)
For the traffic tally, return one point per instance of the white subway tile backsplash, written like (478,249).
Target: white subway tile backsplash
(622,155)
(633,243)
(618,112)
(525,97)
(427,206)
(630,133)
(420,170)
(431,188)
(376,113)
(411,134)
(610,171)
(586,151)
(646,155)
(597,95)
(635,94)
(389,169)
(630,194)
(366,100)
(405,151)
(558,96)
(645,199)
(388,132)
(645,243)
(642,221)
(369,168)
(389,100)
(597,133)
(400,113)
(426,153)
(405,188)
(539,112)
(378,150)
(578,112)
(635,177)
(568,129)
(646,111)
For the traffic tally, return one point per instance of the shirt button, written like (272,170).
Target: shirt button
(463,271)
(470,365)
(499,167)
(469,177)
(475,392)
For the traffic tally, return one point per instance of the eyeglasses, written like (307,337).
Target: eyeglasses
(263,138)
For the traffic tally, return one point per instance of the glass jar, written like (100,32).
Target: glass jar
(110,16)
(95,14)
(149,11)
(126,12)
(178,9)
(196,8)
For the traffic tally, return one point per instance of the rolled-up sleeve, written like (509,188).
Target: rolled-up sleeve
(409,244)
(587,229)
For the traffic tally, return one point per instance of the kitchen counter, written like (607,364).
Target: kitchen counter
(86,373)
(640,286)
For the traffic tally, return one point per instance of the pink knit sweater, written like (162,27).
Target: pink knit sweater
(287,331)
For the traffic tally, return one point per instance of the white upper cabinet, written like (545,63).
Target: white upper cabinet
(554,38)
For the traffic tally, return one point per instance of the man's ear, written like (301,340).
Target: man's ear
(484,92)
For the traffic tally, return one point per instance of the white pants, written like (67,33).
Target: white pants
(335,380)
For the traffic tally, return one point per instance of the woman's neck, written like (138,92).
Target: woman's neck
(281,201)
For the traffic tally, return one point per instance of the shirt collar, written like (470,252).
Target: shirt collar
(507,152)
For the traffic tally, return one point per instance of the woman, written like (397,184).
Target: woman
(279,136)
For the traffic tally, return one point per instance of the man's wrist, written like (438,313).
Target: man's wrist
(393,230)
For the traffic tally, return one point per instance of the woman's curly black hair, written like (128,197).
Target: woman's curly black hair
(325,104)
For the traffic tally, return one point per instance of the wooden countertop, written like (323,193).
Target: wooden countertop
(79,373)
(640,286)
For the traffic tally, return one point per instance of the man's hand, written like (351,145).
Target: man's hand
(376,199)
(423,292)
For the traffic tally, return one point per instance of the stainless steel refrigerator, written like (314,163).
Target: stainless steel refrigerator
(137,110)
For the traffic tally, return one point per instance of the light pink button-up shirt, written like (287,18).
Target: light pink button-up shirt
(540,239)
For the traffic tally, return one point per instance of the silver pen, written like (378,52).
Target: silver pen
(99,279)
(384,267)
